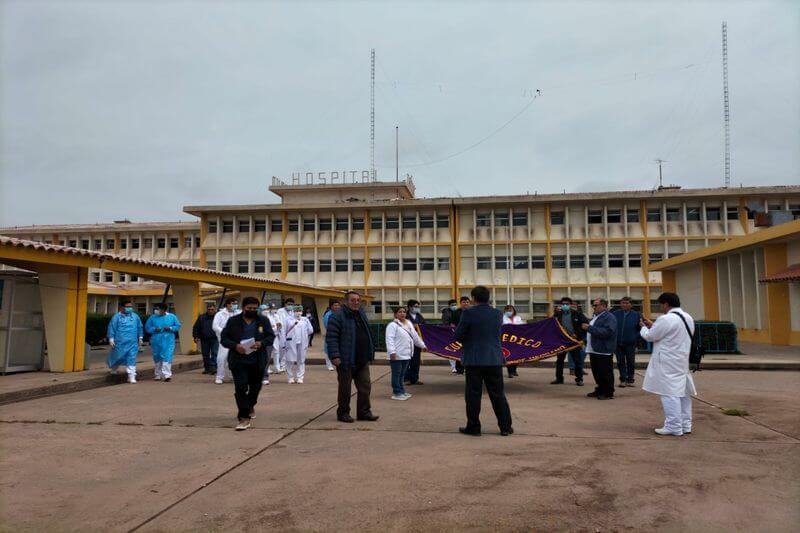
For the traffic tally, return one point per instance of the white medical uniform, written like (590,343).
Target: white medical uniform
(220,319)
(297,332)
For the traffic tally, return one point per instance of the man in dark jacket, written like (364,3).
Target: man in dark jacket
(571,321)
(204,336)
(416,318)
(350,349)
(479,332)
(627,338)
(247,336)
(601,340)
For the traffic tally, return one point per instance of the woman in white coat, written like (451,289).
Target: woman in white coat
(297,331)
(401,338)
(668,370)
(510,317)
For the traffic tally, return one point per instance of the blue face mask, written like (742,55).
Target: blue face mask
(565,308)
(128,310)
(453,307)
(234,307)
(157,312)
(509,314)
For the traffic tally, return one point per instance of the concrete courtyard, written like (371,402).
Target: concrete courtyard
(164,457)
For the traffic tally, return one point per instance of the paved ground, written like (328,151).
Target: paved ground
(164,457)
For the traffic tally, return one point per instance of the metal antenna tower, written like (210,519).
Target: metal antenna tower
(372,113)
(660,177)
(726,104)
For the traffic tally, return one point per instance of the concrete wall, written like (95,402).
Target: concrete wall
(690,290)
(793,258)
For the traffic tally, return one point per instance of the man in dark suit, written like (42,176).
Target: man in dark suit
(479,332)
(416,318)
(247,336)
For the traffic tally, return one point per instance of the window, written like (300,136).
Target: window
(377,306)
(308,265)
(227,226)
(135,244)
(484,263)
(244,226)
(713,213)
(73,244)
(291,265)
(521,262)
(276,225)
(173,242)
(482,220)
(392,223)
(275,266)
(596,261)
(96,276)
(426,221)
(733,213)
(376,265)
(409,263)
(242,267)
(520,219)
(123,244)
(141,308)
(392,265)
(358,224)
(309,224)
(134,278)
(225,266)
(654,214)
(358,265)
(616,261)
(795,209)
(675,254)
(212,226)
(673,214)
(324,265)
(614,216)
(774,207)
(559,261)
(655,306)
(541,308)
(197,242)
(693,213)
(426,263)
(654,258)
(577,261)
(294,224)
(376,223)
(342,224)
(160,243)
(148,243)
(537,261)
(260,225)
(187,242)
(501,219)
(85,244)
(410,222)
(595,216)
(442,221)
(556,218)
(634,260)
(342,265)
(632,215)
(98,244)
(108,277)
(501,262)
(444,263)
(259,267)
(110,244)
(325,224)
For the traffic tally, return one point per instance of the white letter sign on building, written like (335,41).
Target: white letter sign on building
(332,178)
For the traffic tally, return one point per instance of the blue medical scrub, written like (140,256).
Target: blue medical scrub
(162,343)
(125,329)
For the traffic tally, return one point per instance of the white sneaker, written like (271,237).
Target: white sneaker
(157,378)
(399,398)
(453,371)
(291,380)
(407,395)
(331,368)
(300,381)
(662,431)
(131,379)
(265,382)
(218,381)
(242,425)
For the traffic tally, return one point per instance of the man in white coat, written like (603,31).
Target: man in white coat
(668,370)
(282,314)
(230,309)
(275,354)
(297,333)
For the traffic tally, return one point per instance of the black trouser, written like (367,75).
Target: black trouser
(512,370)
(576,356)
(626,362)
(310,340)
(209,349)
(360,376)
(248,371)
(603,372)
(476,376)
(459,367)
(413,367)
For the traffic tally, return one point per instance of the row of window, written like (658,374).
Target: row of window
(134,243)
(108,277)
(653,214)
(524,262)
(327,224)
(538,309)
(339,265)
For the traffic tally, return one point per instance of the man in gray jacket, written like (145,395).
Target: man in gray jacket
(479,332)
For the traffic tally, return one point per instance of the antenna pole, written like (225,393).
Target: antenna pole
(660,177)
(372,113)
(396,153)
(726,109)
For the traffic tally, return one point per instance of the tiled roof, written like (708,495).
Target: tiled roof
(788,275)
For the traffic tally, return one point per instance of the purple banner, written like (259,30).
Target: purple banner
(520,343)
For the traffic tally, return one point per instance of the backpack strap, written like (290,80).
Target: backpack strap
(686,324)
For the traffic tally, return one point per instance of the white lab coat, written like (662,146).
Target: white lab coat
(296,333)
(668,370)
(220,320)
(401,339)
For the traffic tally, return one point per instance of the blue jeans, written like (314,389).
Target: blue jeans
(399,368)
(626,361)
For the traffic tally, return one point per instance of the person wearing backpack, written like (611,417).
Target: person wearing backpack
(668,370)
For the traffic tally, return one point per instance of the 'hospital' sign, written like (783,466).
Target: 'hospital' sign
(332,178)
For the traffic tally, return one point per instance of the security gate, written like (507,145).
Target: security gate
(21,323)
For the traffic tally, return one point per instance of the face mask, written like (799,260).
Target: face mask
(262,307)
(453,307)
(129,310)
(298,314)
(509,314)
(414,310)
(565,308)
(157,312)
(251,313)
(234,307)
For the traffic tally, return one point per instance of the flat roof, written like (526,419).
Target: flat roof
(107,226)
(782,232)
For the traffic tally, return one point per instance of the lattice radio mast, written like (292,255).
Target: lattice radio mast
(726,104)
(372,113)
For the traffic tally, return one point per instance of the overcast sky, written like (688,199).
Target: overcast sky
(134,109)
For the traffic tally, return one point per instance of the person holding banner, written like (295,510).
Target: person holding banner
(401,339)
(479,331)
(416,319)
(510,317)
(571,321)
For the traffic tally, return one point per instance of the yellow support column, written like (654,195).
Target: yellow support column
(710,289)
(778,311)
(63,291)
(668,283)
(187,309)
(321,303)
